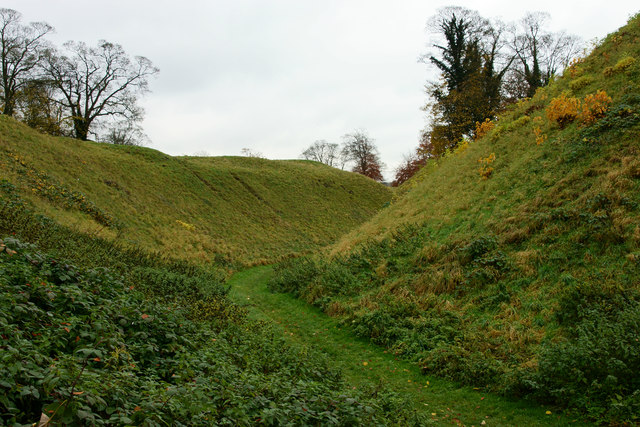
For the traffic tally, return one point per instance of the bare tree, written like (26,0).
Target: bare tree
(359,148)
(323,152)
(541,54)
(248,152)
(98,82)
(21,49)
(125,132)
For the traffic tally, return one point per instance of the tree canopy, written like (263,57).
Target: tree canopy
(78,90)
(483,65)
(98,82)
(21,50)
(360,149)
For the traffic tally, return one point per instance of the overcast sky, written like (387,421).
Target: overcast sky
(274,76)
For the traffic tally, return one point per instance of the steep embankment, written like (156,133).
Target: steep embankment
(514,262)
(246,210)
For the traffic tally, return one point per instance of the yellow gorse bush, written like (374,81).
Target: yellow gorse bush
(537,130)
(564,110)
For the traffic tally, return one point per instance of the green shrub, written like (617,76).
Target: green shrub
(622,66)
(596,368)
(293,275)
(580,83)
(461,364)
(476,249)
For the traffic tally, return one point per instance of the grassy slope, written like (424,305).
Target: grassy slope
(366,365)
(245,209)
(500,276)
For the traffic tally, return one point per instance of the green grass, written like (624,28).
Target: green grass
(242,210)
(365,365)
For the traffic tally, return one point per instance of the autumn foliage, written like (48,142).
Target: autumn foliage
(483,128)
(594,107)
(485,169)
(411,165)
(563,110)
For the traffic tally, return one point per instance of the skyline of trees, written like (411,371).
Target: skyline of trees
(97,82)
(358,149)
(81,91)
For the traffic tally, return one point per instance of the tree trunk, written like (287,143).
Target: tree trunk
(81,129)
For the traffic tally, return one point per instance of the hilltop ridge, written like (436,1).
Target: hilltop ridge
(245,210)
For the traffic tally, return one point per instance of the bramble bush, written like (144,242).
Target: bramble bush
(83,346)
(595,367)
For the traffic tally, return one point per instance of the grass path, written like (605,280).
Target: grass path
(364,363)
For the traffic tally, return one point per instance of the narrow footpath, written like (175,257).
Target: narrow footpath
(362,362)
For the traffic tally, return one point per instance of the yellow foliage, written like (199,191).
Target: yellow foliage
(537,130)
(485,170)
(594,107)
(580,83)
(622,66)
(574,69)
(563,110)
(461,147)
(186,225)
(540,137)
(483,128)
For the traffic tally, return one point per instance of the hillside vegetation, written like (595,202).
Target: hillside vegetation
(152,342)
(120,314)
(513,263)
(226,209)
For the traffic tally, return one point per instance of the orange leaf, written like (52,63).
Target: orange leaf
(66,329)
(96,359)
(78,393)
(144,316)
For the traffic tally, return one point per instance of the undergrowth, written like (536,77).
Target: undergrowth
(148,341)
